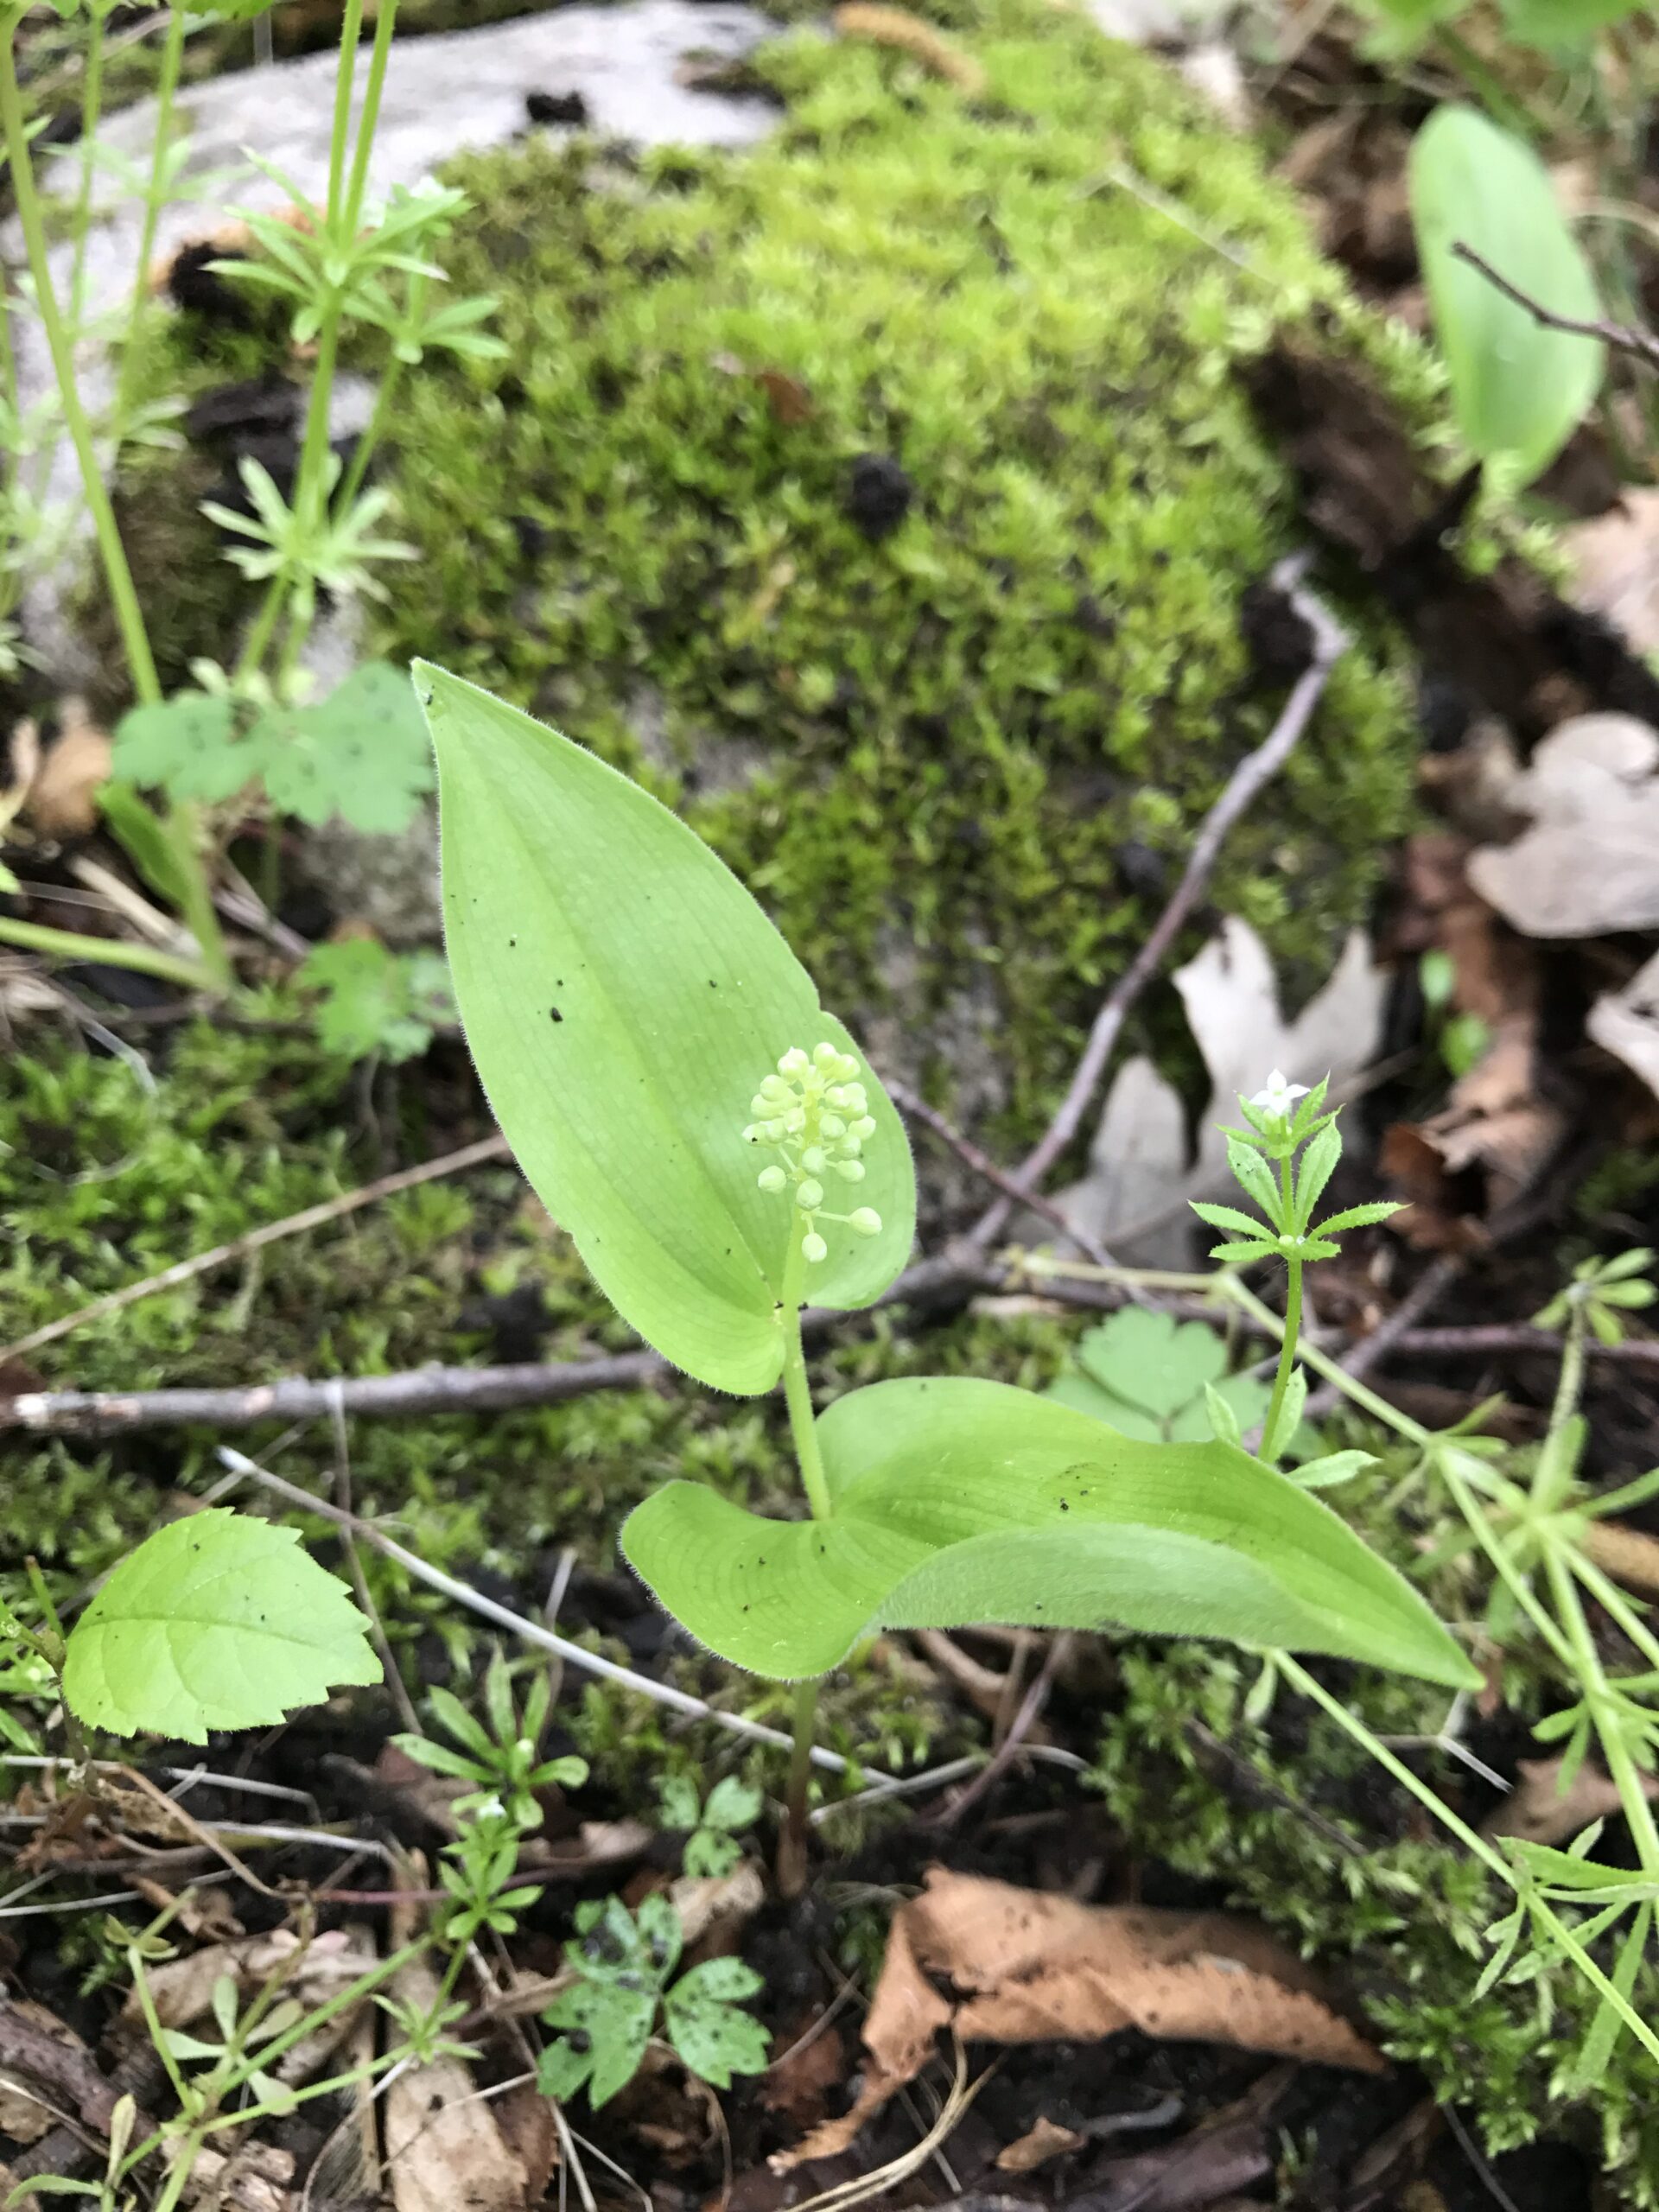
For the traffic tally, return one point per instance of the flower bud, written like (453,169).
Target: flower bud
(850,1170)
(826,1057)
(810,1196)
(836,1096)
(760,1103)
(775,1087)
(814,1248)
(867,1221)
(793,1062)
(773,1132)
(833,1126)
(864,1127)
(771,1178)
(814,1159)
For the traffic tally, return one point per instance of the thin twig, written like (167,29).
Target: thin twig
(530,1632)
(988,1170)
(239,1247)
(1360,1358)
(1024,1721)
(946,1282)
(1641,344)
(1251,776)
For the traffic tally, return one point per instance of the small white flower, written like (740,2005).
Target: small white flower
(491,1808)
(1279,1097)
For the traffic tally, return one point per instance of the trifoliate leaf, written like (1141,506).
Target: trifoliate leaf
(217,1621)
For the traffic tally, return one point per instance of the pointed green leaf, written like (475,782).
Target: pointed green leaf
(1317,1165)
(217,1621)
(1359,1217)
(1519,388)
(1273,1447)
(958,1502)
(1255,1178)
(1227,1218)
(623,996)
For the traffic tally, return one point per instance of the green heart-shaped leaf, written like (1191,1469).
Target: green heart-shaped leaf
(623,996)
(958,1502)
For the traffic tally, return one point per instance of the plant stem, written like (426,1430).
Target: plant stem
(368,121)
(1286,1358)
(109,952)
(165,92)
(797,1392)
(117,574)
(92,106)
(1489,1857)
(1621,1767)
(798,1396)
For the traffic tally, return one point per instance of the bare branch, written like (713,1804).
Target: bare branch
(1251,776)
(1641,344)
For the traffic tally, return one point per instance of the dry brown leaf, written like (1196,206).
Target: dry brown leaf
(798,2084)
(183,1989)
(1539,1811)
(1615,567)
(1626,1024)
(1481,1151)
(1588,864)
(1026,1965)
(715,1909)
(62,799)
(254,2177)
(897,27)
(445,2151)
(206,1912)
(1046,2140)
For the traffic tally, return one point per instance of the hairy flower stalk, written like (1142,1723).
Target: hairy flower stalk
(814,1114)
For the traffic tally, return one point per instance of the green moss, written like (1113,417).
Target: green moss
(941,741)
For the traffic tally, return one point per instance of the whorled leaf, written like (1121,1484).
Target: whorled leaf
(957,1501)
(623,996)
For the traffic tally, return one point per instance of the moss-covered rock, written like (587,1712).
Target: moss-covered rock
(886,495)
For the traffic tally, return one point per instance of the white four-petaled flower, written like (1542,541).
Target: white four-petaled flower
(1278,1096)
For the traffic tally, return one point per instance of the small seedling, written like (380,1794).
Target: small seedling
(503,1761)
(373,1002)
(711,1843)
(624,1967)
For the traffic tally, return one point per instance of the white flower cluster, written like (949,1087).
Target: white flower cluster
(814,1113)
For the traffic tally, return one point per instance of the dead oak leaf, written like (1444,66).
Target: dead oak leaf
(1588,863)
(1538,1810)
(1025,1966)
(1047,2139)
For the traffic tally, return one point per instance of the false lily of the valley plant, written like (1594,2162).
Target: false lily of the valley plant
(722,1154)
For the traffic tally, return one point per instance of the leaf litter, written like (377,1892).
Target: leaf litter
(994,1963)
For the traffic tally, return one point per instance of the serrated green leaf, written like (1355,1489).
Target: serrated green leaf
(1243,1255)
(710,1853)
(1224,1421)
(957,1502)
(1149,1360)
(217,1621)
(375,1001)
(1256,1178)
(1519,389)
(1315,1170)
(1227,1218)
(1361,1216)
(733,1804)
(677,1796)
(623,996)
(360,753)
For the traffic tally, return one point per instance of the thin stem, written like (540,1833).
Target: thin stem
(117,574)
(258,643)
(800,1762)
(1489,1857)
(369,120)
(351,31)
(374,431)
(92,107)
(109,952)
(1626,1777)
(1286,1356)
(797,1392)
(1570,1386)
(165,92)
